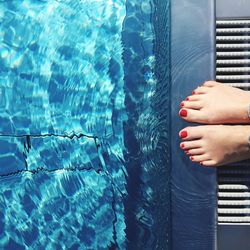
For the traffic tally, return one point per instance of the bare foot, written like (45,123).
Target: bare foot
(216,103)
(215,145)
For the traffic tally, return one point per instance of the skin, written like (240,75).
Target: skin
(217,103)
(215,145)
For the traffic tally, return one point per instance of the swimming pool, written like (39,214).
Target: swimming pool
(84,124)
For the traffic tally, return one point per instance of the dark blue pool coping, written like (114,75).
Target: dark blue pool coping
(193,188)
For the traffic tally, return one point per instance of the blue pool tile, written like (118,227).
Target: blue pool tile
(48,153)
(11,155)
(78,208)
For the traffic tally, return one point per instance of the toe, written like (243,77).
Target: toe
(192,133)
(196,151)
(199,158)
(201,90)
(188,145)
(193,98)
(210,83)
(208,163)
(191,104)
(192,115)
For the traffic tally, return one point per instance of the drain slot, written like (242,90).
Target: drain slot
(233,68)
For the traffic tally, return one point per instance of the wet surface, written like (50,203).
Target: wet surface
(84,159)
(193,188)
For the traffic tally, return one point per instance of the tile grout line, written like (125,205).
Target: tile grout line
(42,169)
(50,135)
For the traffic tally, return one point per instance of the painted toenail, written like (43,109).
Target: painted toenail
(201,163)
(182,104)
(183,134)
(191,158)
(182,145)
(193,92)
(183,113)
(187,99)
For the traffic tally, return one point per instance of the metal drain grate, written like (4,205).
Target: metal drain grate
(233,68)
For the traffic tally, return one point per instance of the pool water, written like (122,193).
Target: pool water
(84,124)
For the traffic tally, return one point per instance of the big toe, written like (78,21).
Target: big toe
(191,133)
(192,115)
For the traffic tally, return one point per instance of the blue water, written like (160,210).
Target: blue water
(84,124)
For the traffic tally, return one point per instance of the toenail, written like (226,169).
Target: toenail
(183,134)
(182,145)
(182,104)
(201,163)
(183,113)
(187,99)
(193,93)
(191,158)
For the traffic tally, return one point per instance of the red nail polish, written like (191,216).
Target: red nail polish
(201,163)
(191,158)
(182,145)
(182,104)
(193,93)
(183,134)
(183,113)
(187,99)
